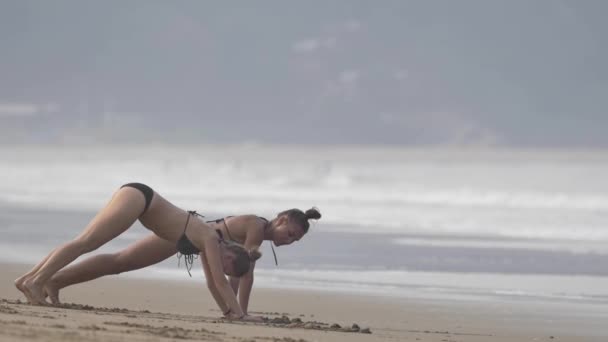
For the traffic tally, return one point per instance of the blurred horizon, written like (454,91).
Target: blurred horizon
(417,73)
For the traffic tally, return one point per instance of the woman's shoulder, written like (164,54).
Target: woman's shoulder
(252,226)
(251,220)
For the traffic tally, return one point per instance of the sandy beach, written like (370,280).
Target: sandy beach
(124,309)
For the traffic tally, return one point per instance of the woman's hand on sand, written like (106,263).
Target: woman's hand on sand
(231,316)
(248,318)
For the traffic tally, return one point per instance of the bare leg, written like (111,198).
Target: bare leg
(122,211)
(140,254)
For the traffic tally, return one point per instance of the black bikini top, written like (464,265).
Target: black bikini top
(190,252)
(223,219)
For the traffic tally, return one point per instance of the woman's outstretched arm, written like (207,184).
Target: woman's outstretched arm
(216,275)
(234,283)
(211,286)
(254,239)
(245,286)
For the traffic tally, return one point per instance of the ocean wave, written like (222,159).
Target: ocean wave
(561,199)
(408,284)
(570,246)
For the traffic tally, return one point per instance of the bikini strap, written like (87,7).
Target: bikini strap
(226,226)
(191,212)
(188,259)
(219,232)
(274,254)
(223,219)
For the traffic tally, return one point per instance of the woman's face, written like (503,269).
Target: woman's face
(228,262)
(286,232)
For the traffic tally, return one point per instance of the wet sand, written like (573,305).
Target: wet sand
(125,309)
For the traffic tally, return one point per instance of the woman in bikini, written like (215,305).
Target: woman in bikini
(163,219)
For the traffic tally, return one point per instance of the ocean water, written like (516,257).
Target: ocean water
(429,222)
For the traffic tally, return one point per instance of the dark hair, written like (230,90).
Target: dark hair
(242,257)
(300,217)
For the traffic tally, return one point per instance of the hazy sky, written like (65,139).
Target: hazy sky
(522,73)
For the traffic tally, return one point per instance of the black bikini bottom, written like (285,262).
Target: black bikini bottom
(185,246)
(146,190)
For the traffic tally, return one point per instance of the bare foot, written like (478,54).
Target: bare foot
(19,285)
(35,292)
(52,291)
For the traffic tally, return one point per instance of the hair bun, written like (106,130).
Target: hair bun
(254,254)
(312,213)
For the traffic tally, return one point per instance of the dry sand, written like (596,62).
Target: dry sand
(127,309)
